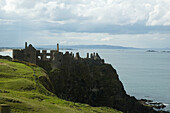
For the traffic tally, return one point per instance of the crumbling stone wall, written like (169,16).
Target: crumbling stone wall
(18,54)
(28,54)
(53,58)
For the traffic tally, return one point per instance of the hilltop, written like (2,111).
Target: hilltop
(24,86)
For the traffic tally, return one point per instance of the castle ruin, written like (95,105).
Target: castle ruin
(54,57)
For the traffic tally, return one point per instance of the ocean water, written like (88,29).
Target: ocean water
(6,53)
(144,74)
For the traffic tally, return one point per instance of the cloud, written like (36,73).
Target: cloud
(5,21)
(46,37)
(130,40)
(124,22)
(114,12)
(159,38)
(106,39)
(160,15)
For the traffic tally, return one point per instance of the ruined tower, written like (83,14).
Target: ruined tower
(87,55)
(25,45)
(28,54)
(57,47)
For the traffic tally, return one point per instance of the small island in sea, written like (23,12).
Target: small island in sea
(151,51)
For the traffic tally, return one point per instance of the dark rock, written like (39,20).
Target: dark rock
(151,51)
(157,105)
(94,84)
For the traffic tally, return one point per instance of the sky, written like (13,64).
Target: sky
(131,23)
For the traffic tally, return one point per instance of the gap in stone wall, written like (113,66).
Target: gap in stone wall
(48,57)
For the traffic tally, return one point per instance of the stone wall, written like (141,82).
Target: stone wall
(18,54)
(28,54)
(53,57)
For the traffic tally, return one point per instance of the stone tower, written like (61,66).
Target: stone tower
(25,45)
(57,47)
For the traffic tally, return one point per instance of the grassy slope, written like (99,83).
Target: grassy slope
(21,89)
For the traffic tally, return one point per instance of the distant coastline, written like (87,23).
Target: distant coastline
(87,47)
(74,47)
(165,51)
(5,50)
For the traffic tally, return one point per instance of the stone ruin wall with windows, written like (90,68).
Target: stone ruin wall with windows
(54,58)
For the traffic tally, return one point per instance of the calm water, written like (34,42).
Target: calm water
(144,74)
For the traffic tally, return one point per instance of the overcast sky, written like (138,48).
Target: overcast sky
(134,23)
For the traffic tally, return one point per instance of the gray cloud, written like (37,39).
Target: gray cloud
(114,12)
(22,20)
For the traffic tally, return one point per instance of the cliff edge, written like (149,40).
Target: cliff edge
(94,84)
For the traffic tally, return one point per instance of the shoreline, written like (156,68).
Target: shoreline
(5,50)
(158,106)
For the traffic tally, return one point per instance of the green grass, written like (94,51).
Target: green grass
(21,89)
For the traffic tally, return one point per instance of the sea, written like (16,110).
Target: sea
(145,75)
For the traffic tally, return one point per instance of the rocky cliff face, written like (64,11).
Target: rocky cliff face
(94,84)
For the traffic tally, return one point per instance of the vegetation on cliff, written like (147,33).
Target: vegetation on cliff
(24,86)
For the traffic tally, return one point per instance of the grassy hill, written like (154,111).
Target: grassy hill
(22,87)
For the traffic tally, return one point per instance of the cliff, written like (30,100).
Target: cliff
(94,84)
(87,80)
(23,86)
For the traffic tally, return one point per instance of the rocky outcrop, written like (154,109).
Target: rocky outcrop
(94,84)
(86,80)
